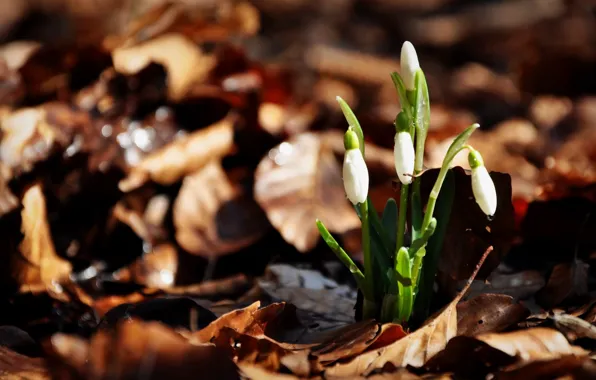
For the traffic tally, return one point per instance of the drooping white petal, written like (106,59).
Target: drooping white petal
(409,64)
(484,190)
(403,154)
(355,176)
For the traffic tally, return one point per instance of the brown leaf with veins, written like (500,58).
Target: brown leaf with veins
(38,262)
(213,216)
(537,343)
(238,320)
(184,61)
(488,313)
(134,350)
(182,157)
(16,366)
(298,182)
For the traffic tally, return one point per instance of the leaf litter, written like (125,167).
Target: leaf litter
(162,166)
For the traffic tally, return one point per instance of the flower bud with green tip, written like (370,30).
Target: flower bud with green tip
(403,151)
(355,173)
(409,65)
(482,185)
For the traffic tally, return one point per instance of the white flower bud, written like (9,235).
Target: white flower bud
(403,153)
(355,176)
(409,65)
(482,185)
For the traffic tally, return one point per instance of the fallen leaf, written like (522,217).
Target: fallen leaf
(31,135)
(468,358)
(566,281)
(574,327)
(488,313)
(155,269)
(469,231)
(183,156)
(238,320)
(537,343)
(296,183)
(247,349)
(414,349)
(137,350)
(176,312)
(38,262)
(184,61)
(572,367)
(256,372)
(321,300)
(214,217)
(16,366)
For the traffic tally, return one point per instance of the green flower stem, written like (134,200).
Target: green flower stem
(368,311)
(401,218)
(342,255)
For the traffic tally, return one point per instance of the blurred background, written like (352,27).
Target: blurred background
(158,131)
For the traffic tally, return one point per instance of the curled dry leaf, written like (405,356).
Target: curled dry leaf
(298,182)
(8,201)
(488,313)
(239,320)
(213,217)
(183,156)
(17,366)
(38,262)
(184,61)
(537,343)
(137,350)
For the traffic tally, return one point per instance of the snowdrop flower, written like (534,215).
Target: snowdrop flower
(482,185)
(355,173)
(409,65)
(403,151)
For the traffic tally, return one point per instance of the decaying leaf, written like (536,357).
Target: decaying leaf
(38,262)
(16,366)
(213,217)
(298,182)
(537,343)
(488,313)
(184,61)
(566,367)
(183,156)
(238,320)
(137,350)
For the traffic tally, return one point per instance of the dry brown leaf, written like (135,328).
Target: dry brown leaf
(414,349)
(537,343)
(155,269)
(213,217)
(38,262)
(182,157)
(184,61)
(238,320)
(488,313)
(574,327)
(567,281)
(137,350)
(14,366)
(256,372)
(566,367)
(30,135)
(298,182)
